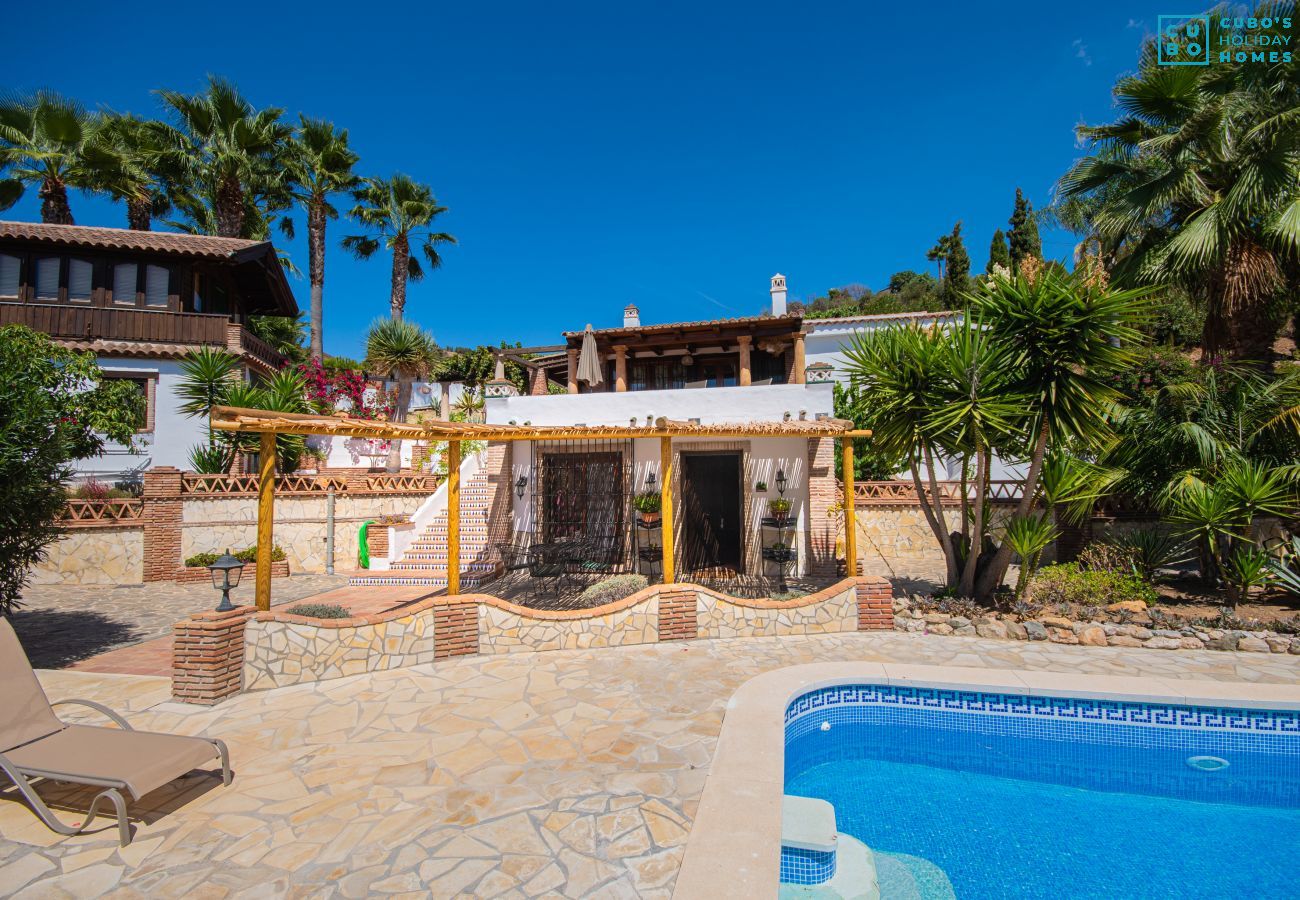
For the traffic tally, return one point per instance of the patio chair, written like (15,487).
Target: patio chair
(514,557)
(598,556)
(548,568)
(35,744)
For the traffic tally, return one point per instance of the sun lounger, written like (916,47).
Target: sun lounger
(35,744)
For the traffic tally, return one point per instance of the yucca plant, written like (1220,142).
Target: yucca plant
(1285,570)
(1028,536)
(1246,568)
(1152,549)
(408,352)
(210,459)
(207,375)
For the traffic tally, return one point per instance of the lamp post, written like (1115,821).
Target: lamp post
(225,570)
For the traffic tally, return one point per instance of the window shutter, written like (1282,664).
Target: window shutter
(155,285)
(47,278)
(10,267)
(124,282)
(80,276)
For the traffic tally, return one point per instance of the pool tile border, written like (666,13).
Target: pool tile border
(734,848)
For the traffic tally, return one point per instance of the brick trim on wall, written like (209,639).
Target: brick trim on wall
(875,603)
(208,656)
(455,629)
(823,493)
(677,615)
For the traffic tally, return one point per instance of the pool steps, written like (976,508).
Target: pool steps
(808,824)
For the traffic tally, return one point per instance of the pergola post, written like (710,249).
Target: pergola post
(453,518)
(850,510)
(265,518)
(666,505)
(746,373)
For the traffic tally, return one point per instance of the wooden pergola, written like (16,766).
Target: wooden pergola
(269,424)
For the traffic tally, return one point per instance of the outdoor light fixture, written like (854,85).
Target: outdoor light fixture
(225,570)
(780,481)
(520,486)
(650,482)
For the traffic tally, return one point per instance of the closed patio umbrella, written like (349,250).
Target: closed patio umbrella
(589,359)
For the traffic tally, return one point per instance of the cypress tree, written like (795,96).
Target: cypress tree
(957,279)
(999,255)
(1024,232)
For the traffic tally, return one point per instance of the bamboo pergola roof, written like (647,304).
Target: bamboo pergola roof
(231,418)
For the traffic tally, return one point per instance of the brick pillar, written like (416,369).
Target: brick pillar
(875,603)
(823,493)
(377,540)
(455,629)
(208,656)
(538,386)
(677,615)
(161,515)
(499,464)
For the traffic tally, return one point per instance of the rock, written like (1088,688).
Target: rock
(959,621)
(1168,632)
(1058,621)
(1277,644)
(1190,643)
(964,630)
(1123,640)
(1135,631)
(1252,644)
(1092,636)
(991,628)
(935,617)
(939,628)
(1295,647)
(1133,606)
(1062,636)
(1035,631)
(901,604)
(1110,628)
(1161,643)
(915,614)
(1225,641)
(1018,632)
(900,622)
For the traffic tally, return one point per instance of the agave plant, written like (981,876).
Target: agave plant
(1285,571)
(210,459)
(1246,568)
(1152,549)
(207,375)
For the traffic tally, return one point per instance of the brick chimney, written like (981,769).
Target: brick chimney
(631,316)
(778,294)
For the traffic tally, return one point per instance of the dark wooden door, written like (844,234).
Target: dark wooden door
(713,524)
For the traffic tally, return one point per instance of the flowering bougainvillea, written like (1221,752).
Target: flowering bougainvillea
(344,391)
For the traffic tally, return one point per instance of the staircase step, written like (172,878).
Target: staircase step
(399,579)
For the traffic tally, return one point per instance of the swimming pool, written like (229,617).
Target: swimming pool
(999,795)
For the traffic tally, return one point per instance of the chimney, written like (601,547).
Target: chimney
(778,294)
(631,316)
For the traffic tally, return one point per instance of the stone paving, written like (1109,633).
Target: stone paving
(567,773)
(61,625)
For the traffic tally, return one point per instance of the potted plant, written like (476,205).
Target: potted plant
(778,507)
(761,487)
(647,503)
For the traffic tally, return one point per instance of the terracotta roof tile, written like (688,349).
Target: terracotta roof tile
(124,239)
(792,319)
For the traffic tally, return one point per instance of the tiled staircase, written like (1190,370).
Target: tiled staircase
(425,561)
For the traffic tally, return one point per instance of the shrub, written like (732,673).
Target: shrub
(647,502)
(1070,584)
(611,589)
(319,611)
(97,490)
(1152,549)
(248,555)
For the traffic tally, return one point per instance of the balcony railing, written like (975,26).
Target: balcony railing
(903,493)
(159,326)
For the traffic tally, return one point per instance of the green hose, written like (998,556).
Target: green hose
(363,543)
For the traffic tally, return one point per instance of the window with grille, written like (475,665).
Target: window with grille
(81,276)
(10,275)
(47,277)
(156,279)
(124,283)
(582,493)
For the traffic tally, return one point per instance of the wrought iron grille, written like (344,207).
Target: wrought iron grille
(582,494)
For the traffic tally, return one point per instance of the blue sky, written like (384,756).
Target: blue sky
(672,155)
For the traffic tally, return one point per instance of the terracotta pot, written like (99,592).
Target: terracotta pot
(650,518)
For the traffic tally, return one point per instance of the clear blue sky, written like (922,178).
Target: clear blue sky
(673,155)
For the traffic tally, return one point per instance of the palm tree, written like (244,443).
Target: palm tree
(48,140)
(1197,185)
(136,169)
(401,210)
(407,352)
(232,159)
(322,165)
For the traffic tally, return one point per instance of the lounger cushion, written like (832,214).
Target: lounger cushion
(142,760)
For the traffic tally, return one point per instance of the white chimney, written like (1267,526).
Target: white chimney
(631,316)
(778,294)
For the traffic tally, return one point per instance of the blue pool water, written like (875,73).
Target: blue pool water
(1039,797)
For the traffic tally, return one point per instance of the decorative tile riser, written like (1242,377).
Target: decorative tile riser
(440,568)
(415,580)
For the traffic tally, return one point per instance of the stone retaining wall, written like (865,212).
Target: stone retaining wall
(98,555)
(282,649)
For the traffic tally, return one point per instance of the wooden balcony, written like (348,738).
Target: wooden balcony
(93,323)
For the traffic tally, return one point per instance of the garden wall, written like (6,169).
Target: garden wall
(895,541)
(94,555)
(282,649)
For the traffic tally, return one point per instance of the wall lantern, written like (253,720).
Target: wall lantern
(225,571)
(780,481)
(520,486)
(650,482)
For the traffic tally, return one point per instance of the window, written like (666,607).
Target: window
(145,385)
(10,275)
(80,280)
(656,374)
(156,280)
(47,277)
(124,284)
